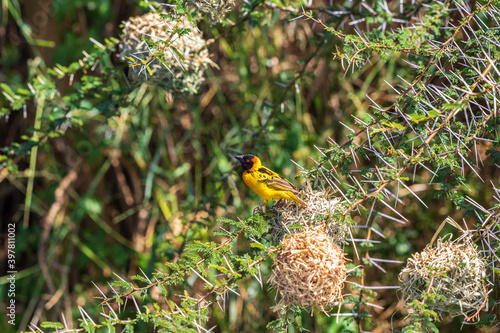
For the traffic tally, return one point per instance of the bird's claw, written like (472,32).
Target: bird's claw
(277,204)
(258,209)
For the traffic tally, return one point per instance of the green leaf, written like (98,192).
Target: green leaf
(433,114)
(258,246)
(177,52)
(51,324)
(7,90)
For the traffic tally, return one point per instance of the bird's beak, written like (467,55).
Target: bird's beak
(241,159)
(245,162)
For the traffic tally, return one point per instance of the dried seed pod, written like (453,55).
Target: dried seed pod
(168,69)
(310,270)
(453,269)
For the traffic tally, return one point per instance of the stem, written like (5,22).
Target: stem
(34,152)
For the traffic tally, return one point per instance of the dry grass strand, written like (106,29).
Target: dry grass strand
(453,269)
(182,75)
(310,270)
(322,210)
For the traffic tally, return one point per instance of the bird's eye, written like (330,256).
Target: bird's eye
(247,161)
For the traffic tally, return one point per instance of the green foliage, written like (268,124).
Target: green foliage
(421,318)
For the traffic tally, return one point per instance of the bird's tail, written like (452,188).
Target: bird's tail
(294,198)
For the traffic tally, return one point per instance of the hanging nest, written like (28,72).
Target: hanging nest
(310,270)
(168,69)
(453,269)
(321,209)
(215,10)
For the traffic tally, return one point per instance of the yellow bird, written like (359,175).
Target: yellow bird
(265,182)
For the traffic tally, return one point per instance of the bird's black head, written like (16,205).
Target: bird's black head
(247,161)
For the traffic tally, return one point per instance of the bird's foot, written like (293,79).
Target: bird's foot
(277,204)
(258,209)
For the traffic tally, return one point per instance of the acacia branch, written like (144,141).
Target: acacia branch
(424,144)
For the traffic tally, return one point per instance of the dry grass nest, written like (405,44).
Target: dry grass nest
(322,209)
(453,269)
(310,270)
(182,75)
(215,10)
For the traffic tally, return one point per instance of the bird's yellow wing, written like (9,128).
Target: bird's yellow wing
(274,181)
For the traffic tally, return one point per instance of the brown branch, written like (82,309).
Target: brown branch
(476,314)
(408,50)
(153,284)
(418,79)
(232,280)
(60,198)
(424,144)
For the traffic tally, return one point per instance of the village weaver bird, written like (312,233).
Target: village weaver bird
(265,182)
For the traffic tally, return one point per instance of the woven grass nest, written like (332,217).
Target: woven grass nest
(182,75)
(321,209)
(453,269)
(310,270)
(215,10)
